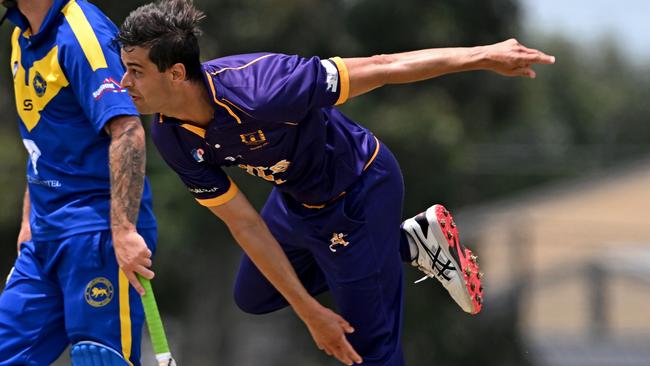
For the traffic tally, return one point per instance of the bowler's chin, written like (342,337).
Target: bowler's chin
(143,109)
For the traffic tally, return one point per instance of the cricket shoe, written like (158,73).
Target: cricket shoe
(441,255)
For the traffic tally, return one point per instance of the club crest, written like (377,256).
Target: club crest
(253,138)
(99,292)
(337,241)
(40,85)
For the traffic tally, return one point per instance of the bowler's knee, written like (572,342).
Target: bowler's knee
(253,303)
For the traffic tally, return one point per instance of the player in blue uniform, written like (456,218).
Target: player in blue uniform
(333,220)
(79,214)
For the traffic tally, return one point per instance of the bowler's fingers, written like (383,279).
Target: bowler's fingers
(344,352)
(533,56)
(348,355)
(524,71)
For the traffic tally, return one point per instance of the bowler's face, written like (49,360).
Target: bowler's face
(147,86)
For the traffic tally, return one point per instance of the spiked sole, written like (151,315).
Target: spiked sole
(467,262)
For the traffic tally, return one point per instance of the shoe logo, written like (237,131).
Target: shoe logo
(99,292)
(441,264)
(338,241)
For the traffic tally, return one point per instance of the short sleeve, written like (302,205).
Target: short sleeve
(91,62)
(209,184)
(285,87)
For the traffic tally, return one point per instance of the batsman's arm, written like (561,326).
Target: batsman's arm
(508,58)
(247,227)
(127,166)
(25,233)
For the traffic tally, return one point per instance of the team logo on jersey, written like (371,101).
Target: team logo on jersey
(253,138)
(109,85)
(337,241)
(197,154)
(99,292)
(34,153)
(40,85)
(14,70)
(268,173)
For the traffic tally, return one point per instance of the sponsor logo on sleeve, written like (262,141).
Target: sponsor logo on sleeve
(331,76)
(203,190)
(197,154)
(109,85)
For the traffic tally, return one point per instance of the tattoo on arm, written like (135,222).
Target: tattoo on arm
(127,159)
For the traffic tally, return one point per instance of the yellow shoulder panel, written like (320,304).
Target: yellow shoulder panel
(44,81)
(85,35)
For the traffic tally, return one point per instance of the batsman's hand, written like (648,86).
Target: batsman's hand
(511,58)
(133,256)
(328,330)
(24,235)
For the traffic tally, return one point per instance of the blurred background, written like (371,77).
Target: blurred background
(549,180)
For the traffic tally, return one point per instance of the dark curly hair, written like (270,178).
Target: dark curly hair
(169,29)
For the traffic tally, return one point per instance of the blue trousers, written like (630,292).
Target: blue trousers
(351,248)
(65,291)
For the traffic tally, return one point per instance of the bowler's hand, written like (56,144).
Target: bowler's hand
(510,58)
(328,330)
(133,256)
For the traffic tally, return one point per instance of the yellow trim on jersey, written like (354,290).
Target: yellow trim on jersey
(374,155)
(236,106)
(85,35)
(314,206)
(224,198)
(195,129)
(214,97)
(125,316)
(318,207)
(344,80)
(46,72)
(241,67)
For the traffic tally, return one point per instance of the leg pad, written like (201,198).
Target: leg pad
(87,353)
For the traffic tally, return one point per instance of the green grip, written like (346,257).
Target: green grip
(154,323)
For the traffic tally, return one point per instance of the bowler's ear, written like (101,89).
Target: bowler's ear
(178,72)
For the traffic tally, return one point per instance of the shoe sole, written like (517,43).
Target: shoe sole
(468,267)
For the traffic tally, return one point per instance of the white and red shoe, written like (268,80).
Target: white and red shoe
(441,255)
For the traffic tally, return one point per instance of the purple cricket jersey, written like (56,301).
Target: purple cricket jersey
(273,118)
